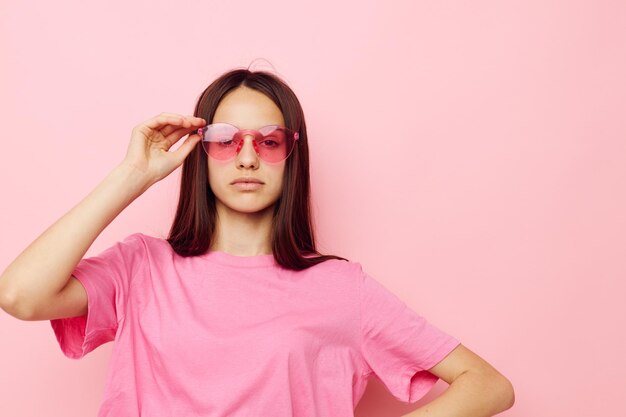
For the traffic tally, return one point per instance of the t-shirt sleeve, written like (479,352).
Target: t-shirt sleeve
(106,278)
(399,345)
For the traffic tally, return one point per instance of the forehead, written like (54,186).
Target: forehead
(247,108)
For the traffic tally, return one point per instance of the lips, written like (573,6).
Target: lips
(247,180)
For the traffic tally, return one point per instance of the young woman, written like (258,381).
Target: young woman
(236,313)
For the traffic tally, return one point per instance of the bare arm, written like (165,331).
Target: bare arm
(45,266)
(43,270)
(476,388)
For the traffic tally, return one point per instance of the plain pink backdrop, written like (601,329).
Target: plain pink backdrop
(471,155)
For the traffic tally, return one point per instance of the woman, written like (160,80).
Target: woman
(236,313)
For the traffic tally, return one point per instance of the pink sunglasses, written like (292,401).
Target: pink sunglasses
(272,143)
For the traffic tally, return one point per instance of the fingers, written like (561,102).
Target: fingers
(186,148)
(169,129)
(174,132)
(165,120)
(178,133)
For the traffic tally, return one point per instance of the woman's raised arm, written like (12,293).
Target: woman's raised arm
(34,281)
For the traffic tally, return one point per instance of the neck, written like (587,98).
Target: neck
(243,234)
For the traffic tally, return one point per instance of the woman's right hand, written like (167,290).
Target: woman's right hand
(148,150)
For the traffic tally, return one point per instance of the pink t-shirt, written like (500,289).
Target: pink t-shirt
(224,335)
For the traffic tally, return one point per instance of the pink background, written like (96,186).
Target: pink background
(471,155)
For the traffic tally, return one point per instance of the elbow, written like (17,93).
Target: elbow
(9,303)
(500,393)
(506,393)
(511,394)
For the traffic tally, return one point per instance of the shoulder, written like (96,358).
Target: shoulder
(147,239)
(142,242)
(351,270)
(136,240)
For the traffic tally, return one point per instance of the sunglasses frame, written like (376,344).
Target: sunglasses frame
(256,134)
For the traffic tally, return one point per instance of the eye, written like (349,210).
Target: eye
(226,141)
(274,139)
(269,143)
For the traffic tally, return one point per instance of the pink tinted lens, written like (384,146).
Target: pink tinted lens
(275,144)
(272,143)
(218,141)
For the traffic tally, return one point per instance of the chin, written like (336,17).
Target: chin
(248,207)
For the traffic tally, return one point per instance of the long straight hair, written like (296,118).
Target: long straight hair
(293,241)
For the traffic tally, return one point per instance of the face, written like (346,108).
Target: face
(247,109)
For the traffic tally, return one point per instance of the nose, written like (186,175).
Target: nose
(247,157)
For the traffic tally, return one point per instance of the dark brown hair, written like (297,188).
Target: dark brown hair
(293,242)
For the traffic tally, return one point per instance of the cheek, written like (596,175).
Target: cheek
(214,173)
(278,175)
